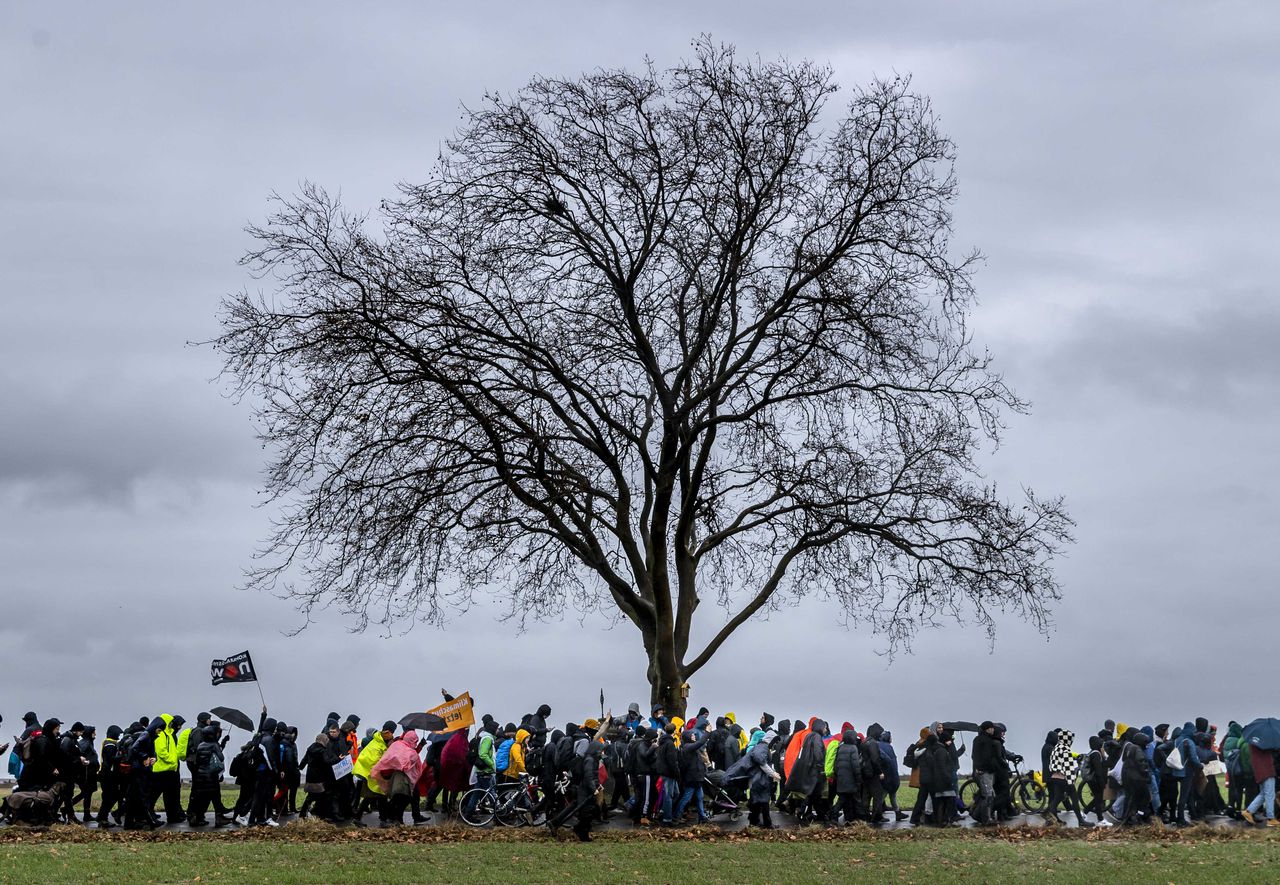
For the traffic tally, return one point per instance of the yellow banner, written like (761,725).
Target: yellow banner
(457,713)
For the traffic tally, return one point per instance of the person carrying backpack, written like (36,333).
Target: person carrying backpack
(206,777)
(111,779)
(40,757)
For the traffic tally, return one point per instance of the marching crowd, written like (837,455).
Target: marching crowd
(658,769)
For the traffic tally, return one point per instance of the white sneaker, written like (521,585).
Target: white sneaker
(271,823)
(1105,823)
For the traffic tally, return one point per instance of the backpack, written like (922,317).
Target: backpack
(23,747)
(1234,768)
(564,753)
(242,763)
(533,759)
(473,750)
(120,762)
(502,759)
(1087,774)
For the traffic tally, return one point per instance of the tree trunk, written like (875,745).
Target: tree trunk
(666,678)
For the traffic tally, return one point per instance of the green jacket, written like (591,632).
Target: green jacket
(484,754)
(829,763)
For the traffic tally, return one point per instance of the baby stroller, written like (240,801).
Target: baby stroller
(32,806)
(716,799)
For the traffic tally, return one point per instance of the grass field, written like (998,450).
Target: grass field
(310,853)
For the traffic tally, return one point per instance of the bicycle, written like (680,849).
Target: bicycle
(523,805)
(479,805)
(1027,790)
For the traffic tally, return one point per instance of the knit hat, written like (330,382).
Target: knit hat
(389,725)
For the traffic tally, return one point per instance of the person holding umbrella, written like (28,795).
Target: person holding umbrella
(1262,737)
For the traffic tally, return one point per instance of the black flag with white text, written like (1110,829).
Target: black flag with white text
(237,668)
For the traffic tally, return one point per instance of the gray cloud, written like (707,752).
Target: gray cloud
(1115,168)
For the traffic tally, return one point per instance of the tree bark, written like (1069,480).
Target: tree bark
(666,676)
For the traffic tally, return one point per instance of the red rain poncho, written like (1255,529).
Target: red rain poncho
(455,773)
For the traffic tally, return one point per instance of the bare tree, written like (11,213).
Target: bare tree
(643,340)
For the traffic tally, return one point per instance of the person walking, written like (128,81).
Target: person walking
(207,767)
(141,757)
(369,792)
(1063,769)
(319,785)
(264,759)
(848,776)
(111,779)
(1262,810)
(693,772)
(396,774)
(667,767)
(988,759)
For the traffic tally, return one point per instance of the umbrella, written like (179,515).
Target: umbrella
(232,717)
(422,722)
(961,726)
(1263,734)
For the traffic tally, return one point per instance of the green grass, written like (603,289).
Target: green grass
(879,857)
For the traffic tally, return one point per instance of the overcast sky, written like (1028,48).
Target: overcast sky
(1117,167)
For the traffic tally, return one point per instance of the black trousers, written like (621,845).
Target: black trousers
(244,802)
(642,789)
(264,789)
(137,809)
(112,796)
(167,785)
(875,790)
(847,807)
(1137,800)
(202,796)
(758,815)
(1059,792)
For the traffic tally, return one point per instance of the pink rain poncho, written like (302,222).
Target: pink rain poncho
(401,756)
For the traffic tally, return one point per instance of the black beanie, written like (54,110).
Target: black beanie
(388,726)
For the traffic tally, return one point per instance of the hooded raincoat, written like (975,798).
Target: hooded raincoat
(401,757)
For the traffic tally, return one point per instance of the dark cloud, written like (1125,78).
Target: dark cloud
(1115,167)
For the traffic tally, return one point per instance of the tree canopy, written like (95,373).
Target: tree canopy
(642,340)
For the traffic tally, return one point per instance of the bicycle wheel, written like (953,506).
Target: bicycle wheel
(1086,796)
(524,810)
(1033,798)
(477,808)
(969,791)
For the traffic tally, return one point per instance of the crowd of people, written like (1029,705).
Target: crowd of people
(659,770)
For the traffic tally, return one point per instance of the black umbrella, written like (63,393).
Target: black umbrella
(961,726)
(1263,734)
(422,722)
(232,717)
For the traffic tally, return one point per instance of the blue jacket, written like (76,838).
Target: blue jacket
(1151,751)
(1186,747)
(889,764)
